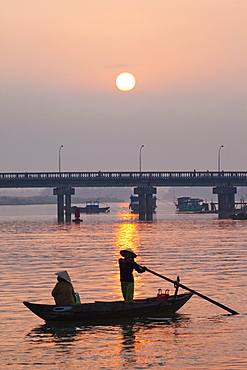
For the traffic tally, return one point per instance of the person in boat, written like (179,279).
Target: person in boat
(63,291)
(126,266)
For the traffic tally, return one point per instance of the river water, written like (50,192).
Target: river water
(208,254)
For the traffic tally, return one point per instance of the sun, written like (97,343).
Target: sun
(125,81)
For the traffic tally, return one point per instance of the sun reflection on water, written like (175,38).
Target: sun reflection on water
(126,236)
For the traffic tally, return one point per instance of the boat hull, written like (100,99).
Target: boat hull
(239,216)
(94,210)
(109,310)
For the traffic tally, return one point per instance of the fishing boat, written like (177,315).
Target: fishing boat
(98,310)
(239,216)
(134,203)
(93,207)
(188,204)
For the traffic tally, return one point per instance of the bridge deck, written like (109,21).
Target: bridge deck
(121,179)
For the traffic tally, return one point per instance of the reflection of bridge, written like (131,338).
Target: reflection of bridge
(224,184)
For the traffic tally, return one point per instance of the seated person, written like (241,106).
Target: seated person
(63,291)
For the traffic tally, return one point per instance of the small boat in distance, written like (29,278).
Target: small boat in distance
(92,207)
(134,203)
(97,311)
(239,216)
(188,204)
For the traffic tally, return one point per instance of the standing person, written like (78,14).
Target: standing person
(63,291)
(127,265)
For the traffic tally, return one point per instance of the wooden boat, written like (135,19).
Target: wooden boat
(87,312)
(194,205)
(93,207)
(188,204)
(239,216)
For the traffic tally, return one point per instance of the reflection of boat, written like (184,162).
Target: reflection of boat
(239,216)
(134,203)
(188,204)
(141,308)
(93,207)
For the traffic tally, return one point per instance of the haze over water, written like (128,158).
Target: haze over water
(208,254)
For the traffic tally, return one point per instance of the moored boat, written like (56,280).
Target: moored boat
(93,207)
(188,204)
(239,216)
(86,312)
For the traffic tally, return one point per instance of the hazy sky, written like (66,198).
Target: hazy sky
(59,61)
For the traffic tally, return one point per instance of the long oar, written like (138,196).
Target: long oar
(194,292)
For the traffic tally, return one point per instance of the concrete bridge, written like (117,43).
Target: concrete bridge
(224,184)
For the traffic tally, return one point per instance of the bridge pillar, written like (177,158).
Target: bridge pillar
(68,207)
(149,207)
(142,207)
(60,193)
(145,196)
(226,200)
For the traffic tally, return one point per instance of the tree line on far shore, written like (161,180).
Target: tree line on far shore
(14,200)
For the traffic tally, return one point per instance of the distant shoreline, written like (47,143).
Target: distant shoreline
(36,200)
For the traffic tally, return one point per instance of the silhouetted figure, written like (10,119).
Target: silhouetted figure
(127,265)
(63,291)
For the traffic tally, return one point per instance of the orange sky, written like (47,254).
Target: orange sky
(59,61)
(85,44)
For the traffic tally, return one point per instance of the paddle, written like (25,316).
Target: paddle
(176,283)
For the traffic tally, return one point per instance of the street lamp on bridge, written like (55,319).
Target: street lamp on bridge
(222,146)
(59,158)
(141,157)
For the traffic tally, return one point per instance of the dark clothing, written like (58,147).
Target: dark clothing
(126,277)
(126,269)
(63,293)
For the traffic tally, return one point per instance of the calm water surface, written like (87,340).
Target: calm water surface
(208,254)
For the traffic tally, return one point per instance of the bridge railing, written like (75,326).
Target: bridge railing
(116,175)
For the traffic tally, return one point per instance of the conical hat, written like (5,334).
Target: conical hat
(128,250)
(63,274)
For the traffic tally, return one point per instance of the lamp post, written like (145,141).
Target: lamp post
(141,157)
(219,157)
(59,158)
